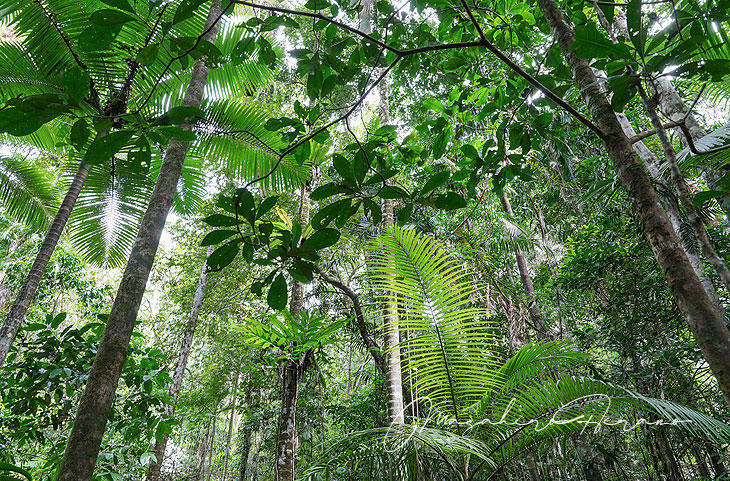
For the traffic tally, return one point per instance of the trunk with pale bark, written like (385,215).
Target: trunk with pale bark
(230,424)
(533,307)
(702,315)
(674,107)
(685,196)
(84,442)
(27,293)
(153,473)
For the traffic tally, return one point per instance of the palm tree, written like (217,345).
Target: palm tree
(479,411)
(116,190)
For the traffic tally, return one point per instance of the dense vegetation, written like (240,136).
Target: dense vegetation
(356,239)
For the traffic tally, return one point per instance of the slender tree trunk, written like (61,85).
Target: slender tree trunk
(209,471)
(230,424)
(701,314)
(83,445)
(245,450)
(674,107)
(671,467)
(531,461)
(656,172)
(684,194)
(15,317)
(391,341)
(716,460)
(203,452)
(286,439)
(287,433)
(532,305)
(153,473)
(702,469)
(394,379)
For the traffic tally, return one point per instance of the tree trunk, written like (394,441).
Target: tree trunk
(15,317)
(153,473)
(245,450)
(669,461)
(702,469)
(715,460)
(230,424)
(287,433)
(84,442)
(684,194)
(391,341)
(532,305)
(674,107)
(532,468)
(701,314)
(209,471)
(286,439)
(203,452)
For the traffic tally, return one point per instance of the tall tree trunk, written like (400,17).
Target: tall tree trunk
(674,107)
(286,439)
(716,460)
(532,305)
(209,471)
(153,473)
(84,442)
(15,317)
(391,341)
(203,452)
(245,450)
(702,315)
(230,424)
(702,469)
(394,379)
(684,194)
(671,467)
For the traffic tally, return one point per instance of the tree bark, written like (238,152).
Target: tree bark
(684,194)
(84,442)
(668,460)
(209,471)
(702,469)
(286,438)
(203,452)
(533,306)
(674,107)
(702,316)
(153,473)
(27,293)
(394,378)
(245,450)
(716,460)
(230,424)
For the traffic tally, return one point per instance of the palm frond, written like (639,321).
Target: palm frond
(234,138)
(447,351)
(717,138)
(27,192)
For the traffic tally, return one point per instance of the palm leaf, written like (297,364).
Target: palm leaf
(447,349)
(27,192)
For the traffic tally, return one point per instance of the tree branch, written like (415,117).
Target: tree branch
(371,345)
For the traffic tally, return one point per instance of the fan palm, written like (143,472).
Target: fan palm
(479,412)
(49,46)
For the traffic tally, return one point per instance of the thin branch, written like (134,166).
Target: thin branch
(372,346)
(319,16)
(532,80)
